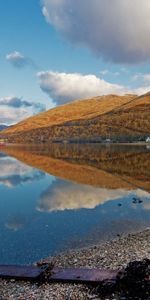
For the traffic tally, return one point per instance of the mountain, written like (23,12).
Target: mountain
(2,127)
(121,118)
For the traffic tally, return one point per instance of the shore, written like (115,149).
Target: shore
(115,254)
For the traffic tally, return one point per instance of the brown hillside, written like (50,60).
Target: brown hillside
(76,110)
(123,118)
(138,101)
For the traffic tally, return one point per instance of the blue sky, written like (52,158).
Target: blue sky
(50,53)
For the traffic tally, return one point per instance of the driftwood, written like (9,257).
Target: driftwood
(131,283)
(54,274)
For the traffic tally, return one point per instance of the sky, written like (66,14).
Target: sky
(55,51)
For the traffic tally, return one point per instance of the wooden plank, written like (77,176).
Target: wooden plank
(42,273)
(21,272)
(82,275)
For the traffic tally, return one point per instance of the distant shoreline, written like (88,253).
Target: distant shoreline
(80,143)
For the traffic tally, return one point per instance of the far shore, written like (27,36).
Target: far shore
(80,143)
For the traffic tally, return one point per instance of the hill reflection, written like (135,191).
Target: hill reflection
(110,166)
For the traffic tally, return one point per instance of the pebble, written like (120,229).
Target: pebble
(115,254)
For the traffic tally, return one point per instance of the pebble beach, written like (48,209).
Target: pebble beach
(114,254)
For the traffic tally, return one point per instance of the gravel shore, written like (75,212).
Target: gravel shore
(115,254)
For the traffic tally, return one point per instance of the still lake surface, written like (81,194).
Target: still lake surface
(59,197)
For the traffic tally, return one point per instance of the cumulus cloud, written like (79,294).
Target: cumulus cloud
(141,90)
(14,109)
(117,31)
(18,102)
(65,195)
(63,87)
(18,60)
(11,116)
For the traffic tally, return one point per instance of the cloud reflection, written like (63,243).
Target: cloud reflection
(146,204)
(14,173)
(62,195)
(15,222)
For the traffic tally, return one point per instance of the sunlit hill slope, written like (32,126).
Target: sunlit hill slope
(94,119)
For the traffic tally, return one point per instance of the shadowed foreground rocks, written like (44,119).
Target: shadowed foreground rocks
(133,283)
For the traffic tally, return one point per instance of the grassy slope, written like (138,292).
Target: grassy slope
(76,110)
(85,119)
(132,117)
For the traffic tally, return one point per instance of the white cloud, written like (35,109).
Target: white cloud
(63,87)
(12,115)
(117,30)
(18,60)
(141,90)
(14,109)
(17,102)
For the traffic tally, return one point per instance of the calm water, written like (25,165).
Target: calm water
(65,196)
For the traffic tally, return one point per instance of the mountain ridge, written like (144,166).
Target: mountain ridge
(3,127)
(88,119)
(75,104)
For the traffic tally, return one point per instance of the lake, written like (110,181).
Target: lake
(58,197)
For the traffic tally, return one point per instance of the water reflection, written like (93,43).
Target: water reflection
(112,166)
(15,222)
(61,196)
(13,172)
